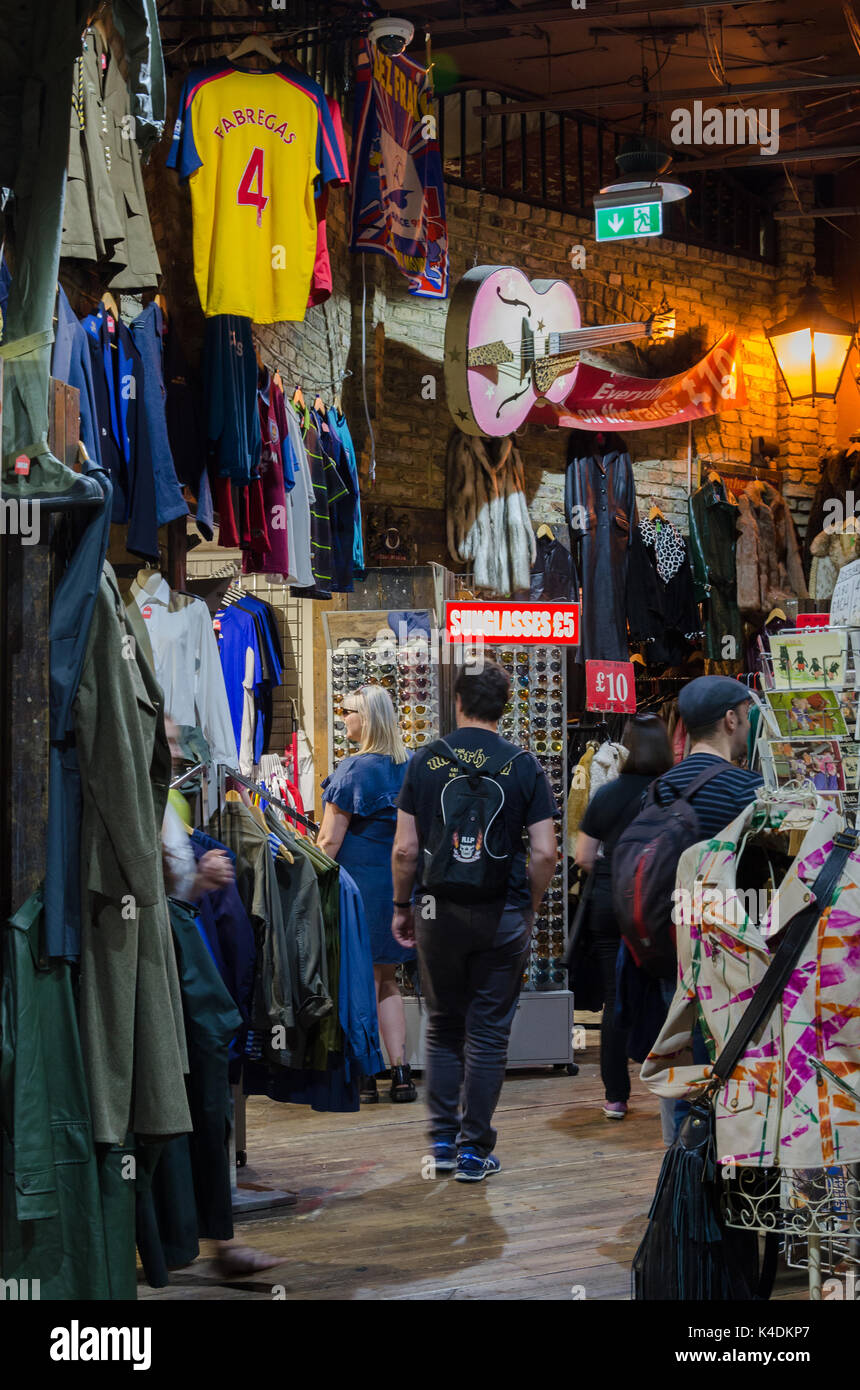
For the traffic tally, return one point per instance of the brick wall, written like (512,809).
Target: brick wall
(710,293)
(404,343)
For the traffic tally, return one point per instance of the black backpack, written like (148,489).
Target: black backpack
(644,865)
(468,855)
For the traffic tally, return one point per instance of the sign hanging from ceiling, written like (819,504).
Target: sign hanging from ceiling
(635,219)
(533,624)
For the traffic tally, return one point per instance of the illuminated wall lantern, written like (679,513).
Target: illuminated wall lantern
(811,348)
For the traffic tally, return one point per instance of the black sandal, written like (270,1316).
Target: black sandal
(367,1093)
(402,1085)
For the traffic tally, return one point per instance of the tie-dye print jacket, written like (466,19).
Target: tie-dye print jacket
(794,1098)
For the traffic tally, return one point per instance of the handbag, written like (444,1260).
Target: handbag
(687,1252)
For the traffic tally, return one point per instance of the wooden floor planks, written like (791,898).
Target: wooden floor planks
(567,1211)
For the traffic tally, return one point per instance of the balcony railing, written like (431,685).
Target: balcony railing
(560,160)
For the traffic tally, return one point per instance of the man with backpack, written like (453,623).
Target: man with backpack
(693,801)
(465,803)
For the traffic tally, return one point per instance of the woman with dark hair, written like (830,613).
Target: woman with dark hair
(608,814)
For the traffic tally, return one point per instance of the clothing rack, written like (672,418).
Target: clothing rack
(225,772)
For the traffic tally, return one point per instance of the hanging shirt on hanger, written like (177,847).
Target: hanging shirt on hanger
(230,385)
(275,558)
(338,425)
(299,498)
(321,282)
(187,668)
(148,334)
(257,148)
(118,383)
(71,362)
(237,636)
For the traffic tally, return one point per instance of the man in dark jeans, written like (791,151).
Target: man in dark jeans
(472,958)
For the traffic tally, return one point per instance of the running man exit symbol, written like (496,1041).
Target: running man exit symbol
(615,223)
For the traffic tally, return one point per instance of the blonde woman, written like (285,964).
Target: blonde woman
(359,821)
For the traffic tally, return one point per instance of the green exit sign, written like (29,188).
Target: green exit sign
(633,219)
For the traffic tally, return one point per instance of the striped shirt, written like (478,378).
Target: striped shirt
(719,801)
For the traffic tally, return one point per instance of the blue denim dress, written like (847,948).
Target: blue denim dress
(367,786)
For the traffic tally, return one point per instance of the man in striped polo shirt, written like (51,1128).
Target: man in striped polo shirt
(715,710)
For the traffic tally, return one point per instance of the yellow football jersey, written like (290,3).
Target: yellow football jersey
(257,149)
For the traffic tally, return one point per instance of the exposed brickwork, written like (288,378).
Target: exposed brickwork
(404,340)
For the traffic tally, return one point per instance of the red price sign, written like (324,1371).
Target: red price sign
(530,624)
(610,685)
(813,620)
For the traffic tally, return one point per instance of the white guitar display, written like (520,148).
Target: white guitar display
(511,341)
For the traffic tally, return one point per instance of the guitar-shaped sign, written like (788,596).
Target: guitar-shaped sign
(511,341)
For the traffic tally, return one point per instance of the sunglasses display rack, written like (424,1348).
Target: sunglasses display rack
(405,670)
(535,719)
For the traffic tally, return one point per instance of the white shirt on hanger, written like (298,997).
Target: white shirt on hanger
(187,664)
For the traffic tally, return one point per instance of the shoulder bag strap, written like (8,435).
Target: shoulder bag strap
(787,954)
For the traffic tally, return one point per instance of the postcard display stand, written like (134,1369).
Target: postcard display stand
(809,732)
(419,677)
(809,737)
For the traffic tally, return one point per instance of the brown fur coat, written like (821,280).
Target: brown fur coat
(487,513)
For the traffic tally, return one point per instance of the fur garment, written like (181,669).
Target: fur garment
(769,566)
(830,551)
(487,515)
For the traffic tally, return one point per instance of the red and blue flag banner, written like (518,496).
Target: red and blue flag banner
(398,193)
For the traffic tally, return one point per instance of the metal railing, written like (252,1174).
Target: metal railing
(559,160)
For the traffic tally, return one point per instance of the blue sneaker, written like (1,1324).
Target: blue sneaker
(444,1155)
(471,1167)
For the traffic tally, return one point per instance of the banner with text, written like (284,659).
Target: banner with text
(605,400)
(533,624)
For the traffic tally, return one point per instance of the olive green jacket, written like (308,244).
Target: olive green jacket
(132,1029)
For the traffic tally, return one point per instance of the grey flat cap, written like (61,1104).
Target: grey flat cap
(707,698)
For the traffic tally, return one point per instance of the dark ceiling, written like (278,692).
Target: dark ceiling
(608,58)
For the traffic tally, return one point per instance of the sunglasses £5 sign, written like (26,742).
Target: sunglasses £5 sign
(535,624)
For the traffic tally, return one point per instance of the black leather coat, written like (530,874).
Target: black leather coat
(600,506)
(554,574)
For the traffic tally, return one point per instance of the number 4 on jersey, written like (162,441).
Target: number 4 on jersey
(247,193)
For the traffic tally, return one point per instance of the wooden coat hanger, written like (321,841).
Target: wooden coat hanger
(255,43)
(109,303)
(162,304)
(655,514)
(298,397)
(277,380)
(547,531)
(264,824)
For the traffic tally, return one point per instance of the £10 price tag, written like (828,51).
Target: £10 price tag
(610,685)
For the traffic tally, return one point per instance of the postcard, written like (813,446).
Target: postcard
(808,760)
(808,660)
(816,713)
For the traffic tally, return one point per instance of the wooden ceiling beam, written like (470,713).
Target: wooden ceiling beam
(761,161)
(595,10)
(601,99)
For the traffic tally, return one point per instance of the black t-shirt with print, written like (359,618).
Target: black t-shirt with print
(528,795)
